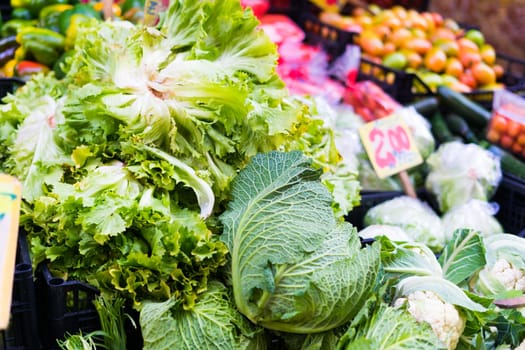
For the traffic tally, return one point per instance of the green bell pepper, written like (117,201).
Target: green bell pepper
(44,45)
(12,26)
(49,15)
(64,19)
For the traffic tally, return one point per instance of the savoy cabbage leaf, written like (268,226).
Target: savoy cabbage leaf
(295,267)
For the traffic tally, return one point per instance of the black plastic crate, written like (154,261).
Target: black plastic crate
(22,330)
(510,196)
(9,85)
(65,307)
(317,33)
(419,5)
(407,87)
(369,199)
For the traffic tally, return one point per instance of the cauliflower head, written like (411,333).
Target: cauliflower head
(497,278)
(511,277)
(444,318)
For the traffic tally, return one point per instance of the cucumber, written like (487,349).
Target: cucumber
(509,163)
(474,114)
(459,126)
(440,129)
(426,106)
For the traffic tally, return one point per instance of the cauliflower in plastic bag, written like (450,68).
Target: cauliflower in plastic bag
(414,216)
(460,172)
(475,214)
(393,233)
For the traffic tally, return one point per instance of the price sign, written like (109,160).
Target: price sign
(10,197)
(152,10)
(389,145)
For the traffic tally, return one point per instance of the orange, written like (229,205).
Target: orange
(443,33)
(438,19)
(399,36)
(488,54)
(371,43)
(414,60)
(483,74)
(418,45)
(429,19)
(435,60)
(465,43)
(382,31)
(388,47)
(467,78)
(468,57)
(453,67)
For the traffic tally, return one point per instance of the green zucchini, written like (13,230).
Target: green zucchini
(509,163)
(426,106)
(460,127)
(440,129)
(474,114)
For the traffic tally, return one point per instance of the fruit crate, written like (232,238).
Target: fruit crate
(406,87)
(64,307)
(23,324)
(317,33)
(510,195)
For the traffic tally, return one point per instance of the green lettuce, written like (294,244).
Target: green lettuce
(294,266)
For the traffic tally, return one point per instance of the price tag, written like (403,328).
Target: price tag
(152,10)
(390,146)
(10,197)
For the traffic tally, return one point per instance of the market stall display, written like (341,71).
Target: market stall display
(201,183)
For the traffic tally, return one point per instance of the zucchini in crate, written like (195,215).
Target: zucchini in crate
(440,129)
(474,114)
(427,106)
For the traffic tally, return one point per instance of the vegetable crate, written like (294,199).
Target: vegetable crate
(9,85)
(23,324)
(510,196)
(64,307)
(407,87)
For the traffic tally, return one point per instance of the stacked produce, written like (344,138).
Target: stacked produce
(436,49)
(40,34)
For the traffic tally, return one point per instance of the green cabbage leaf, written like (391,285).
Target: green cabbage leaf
(294,266)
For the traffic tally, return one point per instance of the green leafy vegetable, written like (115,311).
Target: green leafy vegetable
(295,268)
(463,256)
(213,323)
(389,328)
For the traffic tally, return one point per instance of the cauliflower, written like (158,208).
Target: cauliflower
(446,321)
(521,346)
(511,277)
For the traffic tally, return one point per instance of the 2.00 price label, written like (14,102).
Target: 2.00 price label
(389,145)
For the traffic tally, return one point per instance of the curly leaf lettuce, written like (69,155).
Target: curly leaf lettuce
(294,266)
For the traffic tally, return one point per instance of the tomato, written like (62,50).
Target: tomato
(517,148)
(493,135)
(498,123)
(506,141)
(521,139)
(513,128)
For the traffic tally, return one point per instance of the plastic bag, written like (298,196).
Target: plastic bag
(460,172)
